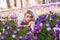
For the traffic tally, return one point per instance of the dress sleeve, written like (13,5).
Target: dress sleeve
(20,17)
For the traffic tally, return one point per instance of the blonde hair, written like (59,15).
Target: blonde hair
(29,12)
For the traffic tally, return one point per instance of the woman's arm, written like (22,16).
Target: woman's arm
(19,24)
(31,24)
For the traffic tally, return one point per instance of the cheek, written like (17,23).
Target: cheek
(27,18)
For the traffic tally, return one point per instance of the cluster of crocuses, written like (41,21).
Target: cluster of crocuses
(11,30)
(45,19)
(57,30)
(10,14)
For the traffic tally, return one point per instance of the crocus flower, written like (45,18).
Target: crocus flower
(36,28)
(15,32)
(48,25)
(35,38)
(20,38)
(13,36)
(6,33)
(43,16)
(57,20)
(38,25)
(57,25)
(3,33)
(22,27)
(38,20)
(12,17)
(57,32)
(41,24)
(3,29)
(5,26)
(30,29)
(28,36)
(2,37)
(10,28)
(53,17)
(44,20)
(48,29)
(35,32)
(0,33)
(51,13)
(18,29)
(56,38)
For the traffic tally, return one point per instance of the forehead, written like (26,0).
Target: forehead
(28,14)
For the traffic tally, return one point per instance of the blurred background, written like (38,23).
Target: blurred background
(10,7)
(7,4)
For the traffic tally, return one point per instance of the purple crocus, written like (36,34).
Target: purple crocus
(48,29)
(48,25)
(12,17)
(10,28)
(53,17)
(57,25)
(38,26)
(3,33)
(35,38)
(28,36)
(51,13)
(57,32)
(2,37)
(45,20)
(56,38)
(30,29)
(35,32)
(41,24)
(20,38)
(6,33)
(22,27)
(5,26)
(15,32)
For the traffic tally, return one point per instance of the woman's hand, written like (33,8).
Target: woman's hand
(31,24)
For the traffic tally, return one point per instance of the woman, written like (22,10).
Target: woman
(27,19)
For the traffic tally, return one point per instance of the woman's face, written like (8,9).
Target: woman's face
(28,17)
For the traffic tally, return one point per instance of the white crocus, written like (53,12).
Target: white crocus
(0,33)
(13,36)
(3,29)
